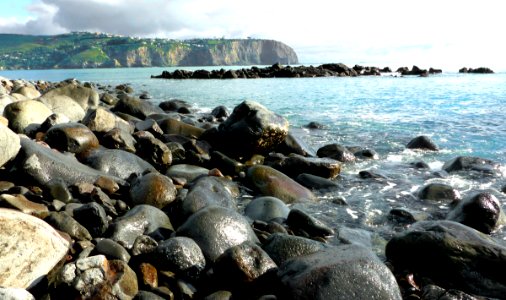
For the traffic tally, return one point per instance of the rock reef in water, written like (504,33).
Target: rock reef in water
(480,70)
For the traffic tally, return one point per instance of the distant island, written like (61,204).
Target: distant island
(98,50)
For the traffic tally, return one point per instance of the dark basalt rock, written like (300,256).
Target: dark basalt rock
(182,255)
(345,272)
(266,209)
(137,108)
(316,182)
(439,192)
(118,139)
(294,165)
(482,212)
(175,105)
(451,255)
(153,189)
(220,112)
(337,152)
(93,217)
(294,144)
(481,70)
(215,229)
(298,220)
(71,137)
(423,143)
(64,222)
(111,250)
(282,247)
(153,151)
(173,126)
(471,163)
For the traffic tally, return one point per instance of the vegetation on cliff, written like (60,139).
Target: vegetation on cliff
(97,50)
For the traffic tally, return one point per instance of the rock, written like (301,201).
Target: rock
(337,152)
(26,115)
(112,250)
(19,202)
(117,163)
(295,164)
(102,120)
(314,125)
(431,291)
(439,192)
(210,190)
(154,151)
(9,143)
(316,182)
(451,255)
(355,236)
(481,70)
(136,107)
(174,105)
(64,222)
(470,163)
(96,277)
(173,126)
(298,220)
(119,139)
(294,144)
(15,294)
(215,229)
(282,247)
(150,126)
(187,172)
(181,255)
(345,272)
(144,244)
(30,249)
(41,165)
(140,220)
(219,295)
(482,212)
(71,137)
(66,106)
(28,91)
(220,112)
(84,96)
(266,208)
(4,101)
(423,143)
(93,217)
(19,97)
(403,216)
(250,129)
(271,182)
(365,154)
(242,264)
(153,189)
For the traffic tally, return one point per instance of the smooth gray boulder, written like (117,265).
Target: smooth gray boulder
(71,137)
(185,171)
(182,255)
(266,208)
(30,249)
(282,247)
(117,163)
(9,144)
(84,96)
(472,163)
(64,105)
(341,272)
(102,120)
(137,108)
(294,165)
(26,115)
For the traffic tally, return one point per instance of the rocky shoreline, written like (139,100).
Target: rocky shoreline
(104,195)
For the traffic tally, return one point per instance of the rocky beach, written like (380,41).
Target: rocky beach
(107,195)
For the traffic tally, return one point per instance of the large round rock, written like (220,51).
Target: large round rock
(215,229)
(9,143)
(181,254)
(342,272)
(71,137)
(153,189)
(117,163)
(266,208)
(84,96)
(66,106)
(24,114)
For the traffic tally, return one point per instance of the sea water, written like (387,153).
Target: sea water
(462,113)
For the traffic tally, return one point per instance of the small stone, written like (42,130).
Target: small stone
(112,250)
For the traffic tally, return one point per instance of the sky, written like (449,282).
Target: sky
(444,34)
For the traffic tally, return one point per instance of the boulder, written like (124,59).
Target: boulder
(153,151)
(71,137)
(84,96)
(28,114)
(316,182)
(451,255)
(173,126)
(102,120)
(28,91)
(30,249)
(182,255)
(111,250)
(266,208)
(66,106)
(337,152)
(422,142)
(298,220)
(117,163)
(282,247)
(471,163)
(64,222)
(118,139)
(215,229)
(481,211)
(294,165)
(251,128)
(271,182)
(9,144)
(153,189)
(439,192)
(137,108)
(15,294)
(140,220)
(342,272)
(4,101)
(187,172)
(93,217)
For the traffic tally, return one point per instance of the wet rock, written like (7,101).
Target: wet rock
(143,245)
(422,142)
(366,174)
(314,125)
(153,189)
(19,202)
(345,272)
(266,209)
(271,182)
(174,105)
(53,120)
(154,151)
(41,165)
(250,129)
(215,229)
(64,105)
(282,247)
(220,112)
(242,264)
(355,236)
(93,217)
(173,126)
(481,211)
(96,277)
(294,165)
(337,152)
(119,139)
(7,293)
(136,107)
(439,192)
(451,255)
(64,222)
(30,249)
(102,120)
(298,220)
(26,115)
(112,250)
(316,182)
(181,255)
(187,172)
(9,143)
(140,220)
(71,137)
(108,98)
(294,143)
(117,163)
(151,126)
(219,295)
(210,190)
(84,96)
(148,275)
(402,215)
(470,163)
(366,154)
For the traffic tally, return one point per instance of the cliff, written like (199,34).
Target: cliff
(96,50)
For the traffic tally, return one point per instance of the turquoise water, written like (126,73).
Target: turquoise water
(463,113)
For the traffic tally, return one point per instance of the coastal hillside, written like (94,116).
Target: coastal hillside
(97,50)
